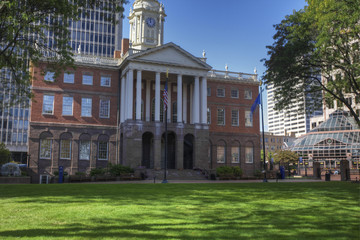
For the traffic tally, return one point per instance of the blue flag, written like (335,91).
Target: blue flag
(257,102)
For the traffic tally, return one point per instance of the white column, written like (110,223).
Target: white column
(138,95)
(196,94)
(157,97)
(191,96)
(148,100)
(185,103)
(130,94)
(203,100)
(122,97)
(169,103)
(179,99)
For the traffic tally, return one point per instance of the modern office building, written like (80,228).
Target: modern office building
(112,110)
(91,35)
(291,120)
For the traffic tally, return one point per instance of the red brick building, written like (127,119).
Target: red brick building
(112,111)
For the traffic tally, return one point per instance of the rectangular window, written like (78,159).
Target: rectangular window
(221,116)
(69,77)
(86,105)
(103,150)
(84,150)
(67,106)
(208,92)
(14,137)
(249,155)
(248,119)
(65,149)
(235,117)
(87,79)
(248,94)
(105,81)
(235,155)
(220,152)
(49,76)
(104,108)
(208,116)
(48,104)
(19,137)
(234,93)
(45,148)
(220,92)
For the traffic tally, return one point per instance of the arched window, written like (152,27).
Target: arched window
(45,145)
(84,146)
(161,110)
(65,145)
(235,152)
(174,112)
(103,147)
(249,153)
(221,152)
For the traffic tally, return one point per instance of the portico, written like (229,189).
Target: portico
(141,109)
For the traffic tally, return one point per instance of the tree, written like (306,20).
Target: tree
(24,26)
(316,51)
(5,154)
(285,156)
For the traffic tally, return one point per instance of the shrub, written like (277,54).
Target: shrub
(226,171)
(80,174)
(97,171)
(118,169)
(237,171)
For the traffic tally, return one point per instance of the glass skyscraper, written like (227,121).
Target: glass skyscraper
(91,35)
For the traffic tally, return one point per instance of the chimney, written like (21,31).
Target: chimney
(124,46)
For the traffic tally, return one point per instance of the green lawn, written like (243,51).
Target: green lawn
(321,210)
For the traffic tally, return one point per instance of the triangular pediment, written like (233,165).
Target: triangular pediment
(170,54)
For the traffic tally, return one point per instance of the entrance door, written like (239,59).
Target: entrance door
(148,150)
(188,151)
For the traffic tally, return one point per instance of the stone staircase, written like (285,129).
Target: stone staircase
(174,174)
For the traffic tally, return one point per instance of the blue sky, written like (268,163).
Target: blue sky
(232,32)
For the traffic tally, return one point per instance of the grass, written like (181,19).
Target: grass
(322,210)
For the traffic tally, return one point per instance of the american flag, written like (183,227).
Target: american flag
(165,96)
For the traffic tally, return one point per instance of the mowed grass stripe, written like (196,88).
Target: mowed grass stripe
(323,210)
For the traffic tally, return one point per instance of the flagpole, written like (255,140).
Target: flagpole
(263,132)
(166,135)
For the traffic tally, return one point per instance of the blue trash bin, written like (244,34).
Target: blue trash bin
(282,172)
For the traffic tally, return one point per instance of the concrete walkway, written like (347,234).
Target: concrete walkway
(205,181)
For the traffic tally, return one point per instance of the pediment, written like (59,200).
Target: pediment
(170,54)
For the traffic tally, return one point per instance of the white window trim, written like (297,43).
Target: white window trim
(62,149)
(217,152)
(101,82)
(92,79)
(41,157)
(238,152)
(237,124)
(217,92)
(223,124)
(89,150)
(68,74)
(49,76)
(107,151)
(52,112)
(108,110)
(237,93)
(72,106)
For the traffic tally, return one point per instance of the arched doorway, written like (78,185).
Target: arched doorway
(147,150)
(188,151)
(171,138)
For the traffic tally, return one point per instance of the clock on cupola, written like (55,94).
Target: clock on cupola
(146,24)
